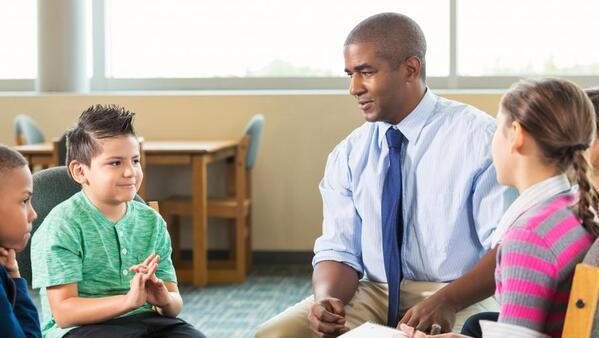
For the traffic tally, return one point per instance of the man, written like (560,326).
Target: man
(410,199)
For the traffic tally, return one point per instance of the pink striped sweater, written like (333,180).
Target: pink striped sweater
(535,265)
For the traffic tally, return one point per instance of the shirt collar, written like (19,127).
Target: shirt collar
(412,125)
(530,197)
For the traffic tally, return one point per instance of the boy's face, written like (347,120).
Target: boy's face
(114,175)
(16,212)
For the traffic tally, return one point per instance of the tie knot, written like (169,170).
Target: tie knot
(394,138)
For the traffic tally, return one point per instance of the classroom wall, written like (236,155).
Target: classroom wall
(300,130)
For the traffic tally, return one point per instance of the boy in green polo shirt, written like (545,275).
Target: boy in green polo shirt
(101,259)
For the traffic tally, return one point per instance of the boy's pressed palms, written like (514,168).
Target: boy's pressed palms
(156,291)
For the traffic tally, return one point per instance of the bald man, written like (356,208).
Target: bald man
(410,200)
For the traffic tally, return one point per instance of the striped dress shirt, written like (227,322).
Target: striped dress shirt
(451,201)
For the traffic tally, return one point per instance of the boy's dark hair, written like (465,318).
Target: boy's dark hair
(10,159)
(95,123)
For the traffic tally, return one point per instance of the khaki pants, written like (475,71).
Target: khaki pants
(368,304)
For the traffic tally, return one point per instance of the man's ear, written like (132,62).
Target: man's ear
(414,68)
(77,171)
(517,137)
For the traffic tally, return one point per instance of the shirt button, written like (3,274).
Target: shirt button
(125,272)
(124,251)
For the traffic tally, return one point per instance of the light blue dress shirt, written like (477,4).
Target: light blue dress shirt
(451,199)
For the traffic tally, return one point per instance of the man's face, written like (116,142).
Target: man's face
(16,212)
(114,175)
(379,88)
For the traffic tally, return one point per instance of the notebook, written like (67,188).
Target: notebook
(371,330)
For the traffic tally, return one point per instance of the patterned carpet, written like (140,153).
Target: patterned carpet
(235,311)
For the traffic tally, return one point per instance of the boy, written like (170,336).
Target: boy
(85,254)
(18,316)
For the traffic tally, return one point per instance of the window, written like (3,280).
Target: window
(280,44)
(18,38)
(533,37)
(259,38)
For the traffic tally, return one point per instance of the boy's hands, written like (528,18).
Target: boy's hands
(8,259)
(137,295)
(156,291)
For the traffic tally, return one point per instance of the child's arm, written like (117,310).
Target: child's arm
(69,309)
(22,320)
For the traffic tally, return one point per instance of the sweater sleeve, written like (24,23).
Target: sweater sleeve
(13,322)
(528,280)
(25,310)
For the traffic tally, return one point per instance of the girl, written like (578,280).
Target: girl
(543,130)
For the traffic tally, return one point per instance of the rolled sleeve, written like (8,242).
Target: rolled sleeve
(341,238)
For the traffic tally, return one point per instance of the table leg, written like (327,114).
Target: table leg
(199,221)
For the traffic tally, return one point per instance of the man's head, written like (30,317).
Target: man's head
(385,57)
(103,154)
(16,212)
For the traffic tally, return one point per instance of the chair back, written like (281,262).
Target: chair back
(582,316)
(50,187)
(59,151)
(27,131)
(254,130)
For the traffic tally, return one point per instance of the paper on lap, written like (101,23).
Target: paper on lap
(370,330)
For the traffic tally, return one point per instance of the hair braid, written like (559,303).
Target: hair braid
(588,196)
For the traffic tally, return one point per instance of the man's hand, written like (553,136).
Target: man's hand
(327,318)
(433,310)
(8,259)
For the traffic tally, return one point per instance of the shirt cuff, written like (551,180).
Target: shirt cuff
(342,257)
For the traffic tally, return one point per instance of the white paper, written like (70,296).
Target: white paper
(370,330)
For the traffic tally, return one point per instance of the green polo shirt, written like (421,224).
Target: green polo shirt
(76,243)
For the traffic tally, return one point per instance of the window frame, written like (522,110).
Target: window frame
(99,81)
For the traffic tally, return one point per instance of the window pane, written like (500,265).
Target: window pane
(18,38)
(533,37)
(258,38)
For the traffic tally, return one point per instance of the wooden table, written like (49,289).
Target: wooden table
(198,154)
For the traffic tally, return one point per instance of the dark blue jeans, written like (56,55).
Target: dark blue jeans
(472,326)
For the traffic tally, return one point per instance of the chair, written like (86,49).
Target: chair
(27,131)
(582,316)
(236,206)
(50,187)
(59,151)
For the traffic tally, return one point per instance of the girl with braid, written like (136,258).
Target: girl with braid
(544,128)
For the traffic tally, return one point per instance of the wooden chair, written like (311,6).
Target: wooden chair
(236,207)
(582,312)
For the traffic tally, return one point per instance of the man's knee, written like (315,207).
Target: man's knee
(284,328)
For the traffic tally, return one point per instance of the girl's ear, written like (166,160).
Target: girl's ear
(516,137)
(77,170)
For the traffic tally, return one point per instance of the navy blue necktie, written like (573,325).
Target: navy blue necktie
(392,223)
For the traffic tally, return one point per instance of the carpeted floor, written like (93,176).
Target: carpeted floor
(235,311)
